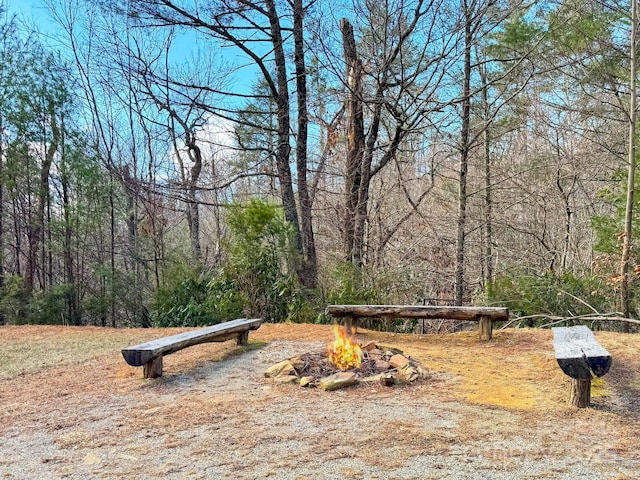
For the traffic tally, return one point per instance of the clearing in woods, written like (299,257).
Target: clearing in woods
(71,408)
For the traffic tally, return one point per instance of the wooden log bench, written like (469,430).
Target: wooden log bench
(485,316)
(149,355)
(582,358)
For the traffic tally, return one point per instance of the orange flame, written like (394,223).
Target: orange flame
(344,353)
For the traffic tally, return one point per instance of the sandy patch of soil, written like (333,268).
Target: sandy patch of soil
(71,408)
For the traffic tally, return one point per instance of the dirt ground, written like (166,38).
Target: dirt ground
(71,408)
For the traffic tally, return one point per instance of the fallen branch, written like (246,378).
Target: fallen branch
(581,301)
(555,319)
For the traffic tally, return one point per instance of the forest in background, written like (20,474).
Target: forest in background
(184,162)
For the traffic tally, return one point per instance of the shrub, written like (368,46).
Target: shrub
(191,297)
(49,307)
(257,280)
(13,299)
(261,263)
(564,295)
(347,284)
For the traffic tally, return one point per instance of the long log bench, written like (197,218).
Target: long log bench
(582,358)
(485,316)
(149,355)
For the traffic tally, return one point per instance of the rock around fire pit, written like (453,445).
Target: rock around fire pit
(380,365)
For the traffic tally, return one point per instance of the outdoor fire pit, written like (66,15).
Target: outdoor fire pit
(347,363)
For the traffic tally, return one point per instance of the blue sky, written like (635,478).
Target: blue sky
(33,12)
(35,15)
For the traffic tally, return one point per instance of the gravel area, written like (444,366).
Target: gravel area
(223,419)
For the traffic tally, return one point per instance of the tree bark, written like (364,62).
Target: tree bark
(195,155)
(355,139)
(464,156)
(71,295)
(284,123)
(631,175)
(112,254)
(488,201)
(2,318)
(309,272)
(37,224)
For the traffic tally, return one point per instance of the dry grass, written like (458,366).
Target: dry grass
(30,348)
(517,370)
(55,378)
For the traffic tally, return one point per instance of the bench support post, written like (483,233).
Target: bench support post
(243,338)
(153,369)
(351,322)
(580,395)
(485,328)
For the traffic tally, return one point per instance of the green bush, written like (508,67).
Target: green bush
(346,284)
(261,263)
(49,307)
(258,279)
(551,294)
(192,297)
(13,299)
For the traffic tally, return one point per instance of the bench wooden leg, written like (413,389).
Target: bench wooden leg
(351,324)
(485,328)
(243,338)
(153,369)
(580,394)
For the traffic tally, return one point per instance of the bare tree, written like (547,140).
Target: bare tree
(244,24)
(390,100)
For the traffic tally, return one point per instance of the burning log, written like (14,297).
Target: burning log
(344,352)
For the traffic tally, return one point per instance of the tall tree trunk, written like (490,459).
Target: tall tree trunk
(37,223)
(361,148)
(217,253)
(464,156)
(568,217)
(17,235)
(626,248)
(355,139)
(486,254)
(189,179)
(284,124)
(309,272)
(112,254)
(488,201)
(362,202)
(47,249)
(72,293)
(195,155)
(2,318)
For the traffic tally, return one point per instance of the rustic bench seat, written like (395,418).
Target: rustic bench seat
(581,357)
(484,315)
(149,354)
